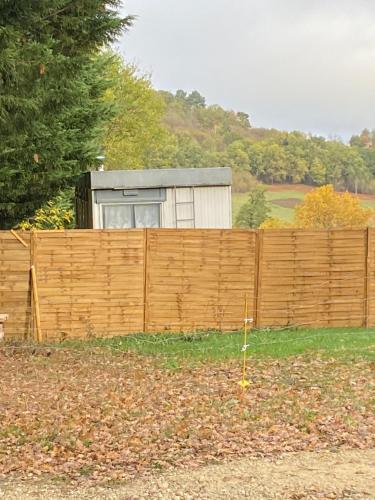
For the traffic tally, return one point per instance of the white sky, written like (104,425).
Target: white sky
(291,64)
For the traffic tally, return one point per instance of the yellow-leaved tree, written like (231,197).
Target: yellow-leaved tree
(323,208)
(275,223)
(55,214)
(137,127)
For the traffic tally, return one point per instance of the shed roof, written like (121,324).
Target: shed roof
(157,178)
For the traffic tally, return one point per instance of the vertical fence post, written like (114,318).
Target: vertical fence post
(145,280)
(31,263)
(367,294)
(36,304)
(35,309)
(258,277)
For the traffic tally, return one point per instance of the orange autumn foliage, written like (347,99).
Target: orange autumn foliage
(323,208)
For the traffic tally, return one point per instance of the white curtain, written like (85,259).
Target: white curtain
(117,216)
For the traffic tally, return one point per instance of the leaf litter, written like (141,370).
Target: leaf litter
(98,416)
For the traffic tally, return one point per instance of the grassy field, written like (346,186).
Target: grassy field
(280,195)
(348,343)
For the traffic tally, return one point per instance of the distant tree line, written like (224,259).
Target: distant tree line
(188,133)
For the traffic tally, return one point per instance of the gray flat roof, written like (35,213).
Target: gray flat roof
(157,178)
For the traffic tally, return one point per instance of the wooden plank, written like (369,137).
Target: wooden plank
(258,278)
(367,292)
(191,279)
(146,278)
(14,282)
(36,304)
(19,238)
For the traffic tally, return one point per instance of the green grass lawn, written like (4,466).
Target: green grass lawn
(368,204)
(283,213)
(283,195)
(238,199)
(343,343)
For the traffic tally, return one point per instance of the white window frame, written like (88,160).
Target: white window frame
(101,214)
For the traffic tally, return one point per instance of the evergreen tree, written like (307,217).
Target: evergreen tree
(196,100)
(255,210)
(244,119)
(51,88)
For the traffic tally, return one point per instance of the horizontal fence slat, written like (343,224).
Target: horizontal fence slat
(116,282)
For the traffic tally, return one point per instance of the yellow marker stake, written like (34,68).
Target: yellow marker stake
(245,383)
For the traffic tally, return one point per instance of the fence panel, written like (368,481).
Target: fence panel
(314,278)
(198,279)
(107,283)
(90,283)
(15,284)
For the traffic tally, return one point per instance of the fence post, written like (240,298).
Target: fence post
(258,277)
(36,304)
(367,294)
(31,263)
(145,279)
(34,298)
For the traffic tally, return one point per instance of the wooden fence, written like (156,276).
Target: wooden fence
(106,283)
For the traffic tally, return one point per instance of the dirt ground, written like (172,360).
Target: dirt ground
(346,474)
(302,188)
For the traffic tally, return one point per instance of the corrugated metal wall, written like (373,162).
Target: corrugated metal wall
(168,209)
(213,207)
(208,207)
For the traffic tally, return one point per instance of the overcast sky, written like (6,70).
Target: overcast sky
(291,64)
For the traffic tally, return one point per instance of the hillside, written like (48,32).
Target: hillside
(157,129)
(212,136)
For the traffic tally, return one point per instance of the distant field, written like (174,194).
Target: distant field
(284,197)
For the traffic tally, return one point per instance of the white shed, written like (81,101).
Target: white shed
(170,198)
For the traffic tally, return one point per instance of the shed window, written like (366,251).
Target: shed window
(126,216)
(147,215)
